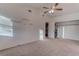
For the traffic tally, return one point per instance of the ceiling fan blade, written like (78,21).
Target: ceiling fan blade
(56,4)
(29,10)
(45,7)
(59,9)
(45,12)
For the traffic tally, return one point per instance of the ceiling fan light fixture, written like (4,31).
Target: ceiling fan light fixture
(51,11)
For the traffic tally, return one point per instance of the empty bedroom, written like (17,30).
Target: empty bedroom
(39,29)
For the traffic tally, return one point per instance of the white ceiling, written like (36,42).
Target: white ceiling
(19,10)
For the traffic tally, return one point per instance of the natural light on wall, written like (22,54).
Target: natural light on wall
(6,27)
(63,33)
(41,34)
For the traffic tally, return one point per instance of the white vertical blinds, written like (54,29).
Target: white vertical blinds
(68,30)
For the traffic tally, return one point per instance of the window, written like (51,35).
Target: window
(6,26)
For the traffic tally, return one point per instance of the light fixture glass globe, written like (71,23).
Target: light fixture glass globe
(51,11)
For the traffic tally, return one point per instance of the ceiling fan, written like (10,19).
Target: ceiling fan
(52,9)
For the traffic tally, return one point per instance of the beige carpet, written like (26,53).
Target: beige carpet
(53,47)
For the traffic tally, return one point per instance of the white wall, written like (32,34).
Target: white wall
(23,32)
(67,17)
